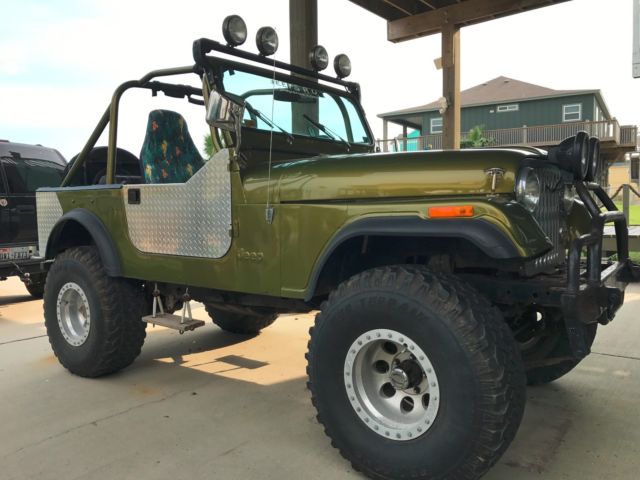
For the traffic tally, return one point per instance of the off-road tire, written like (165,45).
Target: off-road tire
(481,376)
(35,286)
(250,323)
(116,333)
(557,346)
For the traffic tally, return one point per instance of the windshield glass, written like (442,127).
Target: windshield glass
(295,109)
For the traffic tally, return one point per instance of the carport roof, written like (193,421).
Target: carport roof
(409,19)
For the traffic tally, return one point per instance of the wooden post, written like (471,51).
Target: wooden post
(303,30)
(451,86)
(625,201)
(404,138)
(385,135)
(303,36)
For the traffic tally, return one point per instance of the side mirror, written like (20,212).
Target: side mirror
(224,113)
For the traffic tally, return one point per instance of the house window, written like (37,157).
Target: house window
(572,112)
(635,169)
(514,107)
(436,125)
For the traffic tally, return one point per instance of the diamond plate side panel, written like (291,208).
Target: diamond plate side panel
(48,212)
(190,219)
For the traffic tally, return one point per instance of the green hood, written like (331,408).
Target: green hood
(386,175)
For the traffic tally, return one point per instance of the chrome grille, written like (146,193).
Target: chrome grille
(551,217)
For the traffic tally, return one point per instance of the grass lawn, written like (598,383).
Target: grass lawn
(634,219)
(634,213)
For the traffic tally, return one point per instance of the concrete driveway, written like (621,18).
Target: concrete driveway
(209,405)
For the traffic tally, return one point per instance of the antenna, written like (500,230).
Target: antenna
(268,213)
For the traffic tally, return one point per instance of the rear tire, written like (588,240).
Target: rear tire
(93,321)
(453,384)
(249,323)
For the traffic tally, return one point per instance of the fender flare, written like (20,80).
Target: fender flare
(99,234)
(483,234)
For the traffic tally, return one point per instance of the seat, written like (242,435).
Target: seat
(168,153)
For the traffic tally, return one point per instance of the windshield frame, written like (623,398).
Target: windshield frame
(217,67)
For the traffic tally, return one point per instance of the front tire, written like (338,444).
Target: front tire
(415,375)
(93,321)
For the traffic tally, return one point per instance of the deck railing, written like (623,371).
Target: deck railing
(540,136)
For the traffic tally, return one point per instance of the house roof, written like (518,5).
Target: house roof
(499,90)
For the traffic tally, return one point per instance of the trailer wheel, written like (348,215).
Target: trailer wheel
(35,285)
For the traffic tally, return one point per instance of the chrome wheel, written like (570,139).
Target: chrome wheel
(74,315)
(391,384)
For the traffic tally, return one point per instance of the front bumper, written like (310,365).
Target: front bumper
(585,293)
(596,294)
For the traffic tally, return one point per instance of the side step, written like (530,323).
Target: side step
(175,322)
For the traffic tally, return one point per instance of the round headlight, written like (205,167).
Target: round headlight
(342,65)
(528,188)
(594,159)
(234,30)
(319,58)
(267,41)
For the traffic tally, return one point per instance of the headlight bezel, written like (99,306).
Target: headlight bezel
(527,188)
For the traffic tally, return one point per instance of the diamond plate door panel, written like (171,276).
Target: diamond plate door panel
(190,219)
(48,212)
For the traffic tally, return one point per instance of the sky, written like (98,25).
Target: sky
(60,60)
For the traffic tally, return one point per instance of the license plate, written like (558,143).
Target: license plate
(17,253)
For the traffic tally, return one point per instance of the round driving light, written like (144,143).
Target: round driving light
(342,65)
(572,155)
(528,188)
(594,159)
(582,140)
(319,58)
(267,41)
(234,30)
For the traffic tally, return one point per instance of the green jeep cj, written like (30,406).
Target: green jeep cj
(446,281)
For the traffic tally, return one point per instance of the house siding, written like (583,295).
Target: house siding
(530,112)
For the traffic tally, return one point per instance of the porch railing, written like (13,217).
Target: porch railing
(541,135)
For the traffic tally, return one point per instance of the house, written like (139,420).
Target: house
(513,112)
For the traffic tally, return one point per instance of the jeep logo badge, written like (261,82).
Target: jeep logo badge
(3,202)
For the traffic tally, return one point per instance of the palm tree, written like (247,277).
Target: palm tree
(475,138)
(208,145)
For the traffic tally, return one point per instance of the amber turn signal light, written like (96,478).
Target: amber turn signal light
(451,211)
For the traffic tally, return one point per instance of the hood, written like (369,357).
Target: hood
(387,175)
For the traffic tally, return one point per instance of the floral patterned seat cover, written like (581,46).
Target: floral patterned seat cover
(168,153)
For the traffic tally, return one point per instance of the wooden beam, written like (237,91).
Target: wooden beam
(379,8)
(464,13)
(451,86)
